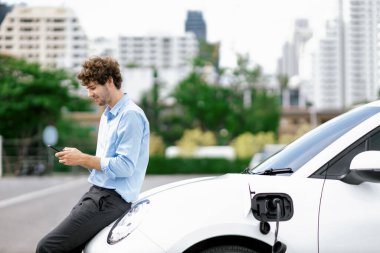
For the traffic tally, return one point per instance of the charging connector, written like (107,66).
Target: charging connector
(273,207)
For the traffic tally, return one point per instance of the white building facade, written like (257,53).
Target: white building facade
(171,56)
(362,38)
(157,51)
(54,38)
(50,36)
(327,70)
(346,64)
(293,49)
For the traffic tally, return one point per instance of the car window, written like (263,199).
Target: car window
(374,142)
(296,154)
(340,165)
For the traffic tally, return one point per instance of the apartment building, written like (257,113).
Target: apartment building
(293,49)
(158,51)
(327,80)
(347,64)
(362,39)
(50,36)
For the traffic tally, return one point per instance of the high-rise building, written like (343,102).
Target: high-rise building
(293,49)
(4,9)
(50,36)
(196,24)
(157,51)
(361,39)
(288,66)
(347,62)
(102,46)
(327,70)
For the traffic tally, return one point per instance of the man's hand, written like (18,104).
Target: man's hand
(74,157)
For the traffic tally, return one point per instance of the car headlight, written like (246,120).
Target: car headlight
(128,222)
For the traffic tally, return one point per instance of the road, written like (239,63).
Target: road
(31,206)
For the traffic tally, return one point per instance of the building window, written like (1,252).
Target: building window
(58,29)
(26,20)
(26,29)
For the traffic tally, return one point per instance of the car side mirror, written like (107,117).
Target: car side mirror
(365,167)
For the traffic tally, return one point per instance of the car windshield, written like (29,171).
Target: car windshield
(296,154)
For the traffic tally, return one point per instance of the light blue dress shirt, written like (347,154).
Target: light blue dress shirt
(123,147)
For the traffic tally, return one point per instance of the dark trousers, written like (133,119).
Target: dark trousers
(96,209)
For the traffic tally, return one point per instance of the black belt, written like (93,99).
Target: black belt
(111,191)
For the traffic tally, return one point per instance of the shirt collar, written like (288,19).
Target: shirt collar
(111,113)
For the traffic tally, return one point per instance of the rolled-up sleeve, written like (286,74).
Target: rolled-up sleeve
(129,137)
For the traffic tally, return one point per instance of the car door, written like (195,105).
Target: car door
(349,218)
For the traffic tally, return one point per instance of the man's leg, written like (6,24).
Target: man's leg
(94,211)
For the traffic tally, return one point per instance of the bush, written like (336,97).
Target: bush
(156,145)
(162,165)
(194,138)
(247,144)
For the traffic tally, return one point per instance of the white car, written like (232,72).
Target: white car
(321,193)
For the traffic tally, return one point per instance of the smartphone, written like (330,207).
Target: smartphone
(54,148)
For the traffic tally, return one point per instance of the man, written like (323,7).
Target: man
(118,168)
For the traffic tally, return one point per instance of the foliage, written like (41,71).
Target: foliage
(288,138)
(283,80)
(173,124)
(162,165)
(208,54)
(210,107)
(31,97)
(247,144)
(245,76)
(194,138)
(222,110)
(226,110)
(164,119)
(72,134)
(156,145)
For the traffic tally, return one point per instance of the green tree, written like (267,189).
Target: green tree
(209,53)
(211,107)
(165,121)
(223,110)
(31,98)
(261,110)
(246,77)
(283,80)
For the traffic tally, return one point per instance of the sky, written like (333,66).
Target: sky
(255,27)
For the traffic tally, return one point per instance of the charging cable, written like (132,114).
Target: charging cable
(276,203)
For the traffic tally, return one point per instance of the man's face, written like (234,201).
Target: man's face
(99,93)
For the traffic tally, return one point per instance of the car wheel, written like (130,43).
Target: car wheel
(228,249)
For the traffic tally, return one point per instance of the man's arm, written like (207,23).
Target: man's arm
(74,157)
(128,147)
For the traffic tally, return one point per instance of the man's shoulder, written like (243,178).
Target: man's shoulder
(133,108)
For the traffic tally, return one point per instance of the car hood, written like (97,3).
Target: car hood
(185,212)
(171,186)
(197,208)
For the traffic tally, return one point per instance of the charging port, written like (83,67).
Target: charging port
(264,206)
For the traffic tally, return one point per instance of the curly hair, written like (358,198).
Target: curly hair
(100,69)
